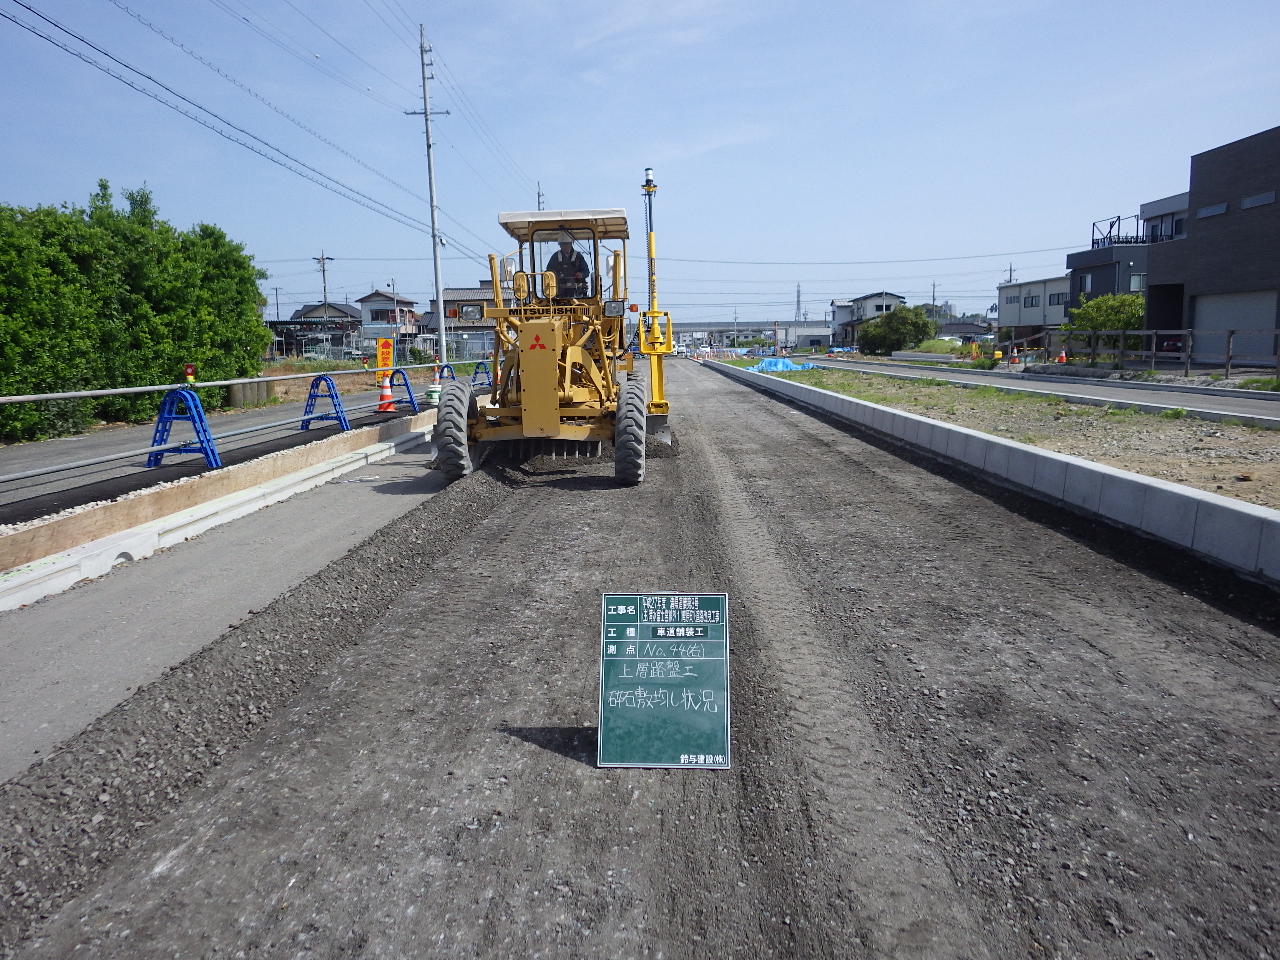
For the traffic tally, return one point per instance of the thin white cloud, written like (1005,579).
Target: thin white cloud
(709,141)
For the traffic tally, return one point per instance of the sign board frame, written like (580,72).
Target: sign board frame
(664,681)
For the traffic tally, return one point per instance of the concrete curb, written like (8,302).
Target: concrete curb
(54,573)
(1050,378)
(1238,535)
(1196,413)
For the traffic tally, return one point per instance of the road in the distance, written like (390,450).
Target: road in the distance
(1172,396)
(964,726)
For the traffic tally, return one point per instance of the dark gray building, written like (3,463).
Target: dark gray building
(1116,261)
(1223,272)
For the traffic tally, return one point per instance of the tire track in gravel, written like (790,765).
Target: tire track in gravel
(1095,747)
(903,892)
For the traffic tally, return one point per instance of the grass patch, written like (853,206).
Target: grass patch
(1176,413)
(1260,383)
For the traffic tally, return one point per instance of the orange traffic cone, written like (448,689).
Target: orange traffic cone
(1062,357)
(1013,357)
(385,401)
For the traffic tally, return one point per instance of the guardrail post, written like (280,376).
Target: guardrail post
(1231,341)
(1093,348)
(1123,344)
(1154,343)
(1188,338)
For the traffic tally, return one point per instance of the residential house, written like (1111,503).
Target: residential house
(848,315)
(323,328)
(1030,306)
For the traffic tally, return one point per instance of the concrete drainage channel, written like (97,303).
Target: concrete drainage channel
(1241,536)
(49,555)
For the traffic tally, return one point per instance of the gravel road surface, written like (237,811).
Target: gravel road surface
(965,725)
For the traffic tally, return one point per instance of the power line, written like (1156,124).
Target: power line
(307,172)
(306,16)
(311,61)
(187,100)
(485,132)
(263,100)
(861,263)
(397,33)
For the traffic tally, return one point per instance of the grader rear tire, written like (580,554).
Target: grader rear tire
(453,452)
(628,435)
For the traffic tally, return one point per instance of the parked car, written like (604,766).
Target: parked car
(1170,345)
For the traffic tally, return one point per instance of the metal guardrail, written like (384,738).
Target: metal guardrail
(126,454)
(120,391)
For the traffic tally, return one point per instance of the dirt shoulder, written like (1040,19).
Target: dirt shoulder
(1228,459)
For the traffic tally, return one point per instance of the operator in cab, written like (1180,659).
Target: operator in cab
(571,270)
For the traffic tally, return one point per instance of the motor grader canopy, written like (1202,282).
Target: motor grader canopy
(522,225)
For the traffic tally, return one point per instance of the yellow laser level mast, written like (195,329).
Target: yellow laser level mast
(656,339)
(563,378)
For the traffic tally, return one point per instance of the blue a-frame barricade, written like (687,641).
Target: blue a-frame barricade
(410,399)
(185,406)
(482,368)
(330,393)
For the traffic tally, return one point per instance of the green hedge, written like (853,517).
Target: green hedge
(100,297)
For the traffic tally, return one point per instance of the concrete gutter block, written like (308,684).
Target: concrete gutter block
(974,451)
(1230,532)
(911,430)
(927,436)
(1121,497)
(1269,550)
(895,424)
(1169,512)
(1022,466)
(998,457)
(1082,485)
(1050,474)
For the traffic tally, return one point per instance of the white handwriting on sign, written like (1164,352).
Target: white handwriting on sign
(644,698)
(656,670)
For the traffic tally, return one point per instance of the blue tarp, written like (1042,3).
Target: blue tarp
(774,364)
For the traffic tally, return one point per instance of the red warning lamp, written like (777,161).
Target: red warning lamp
(634,308)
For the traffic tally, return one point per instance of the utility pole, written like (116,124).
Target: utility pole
(436,240)
(933,294)
(1011,273)
(540,196)
(735,326)
(274,332)
(324,280)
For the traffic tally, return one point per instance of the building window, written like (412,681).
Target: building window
(1012,298)
(1086,283)
(1057,299)
(1258,200)
(1030,301)
(1137,282)
(1212,210)
(1179,226)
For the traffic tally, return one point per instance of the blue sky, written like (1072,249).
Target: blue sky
(813,138)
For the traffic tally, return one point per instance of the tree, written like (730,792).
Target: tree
(900,327)
(103,297)
(1111,311)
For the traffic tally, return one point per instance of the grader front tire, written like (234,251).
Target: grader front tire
(453,452)
(628,436)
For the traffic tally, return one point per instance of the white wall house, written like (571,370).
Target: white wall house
(1034,303)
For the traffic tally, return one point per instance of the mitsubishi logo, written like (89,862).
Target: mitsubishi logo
(537,343)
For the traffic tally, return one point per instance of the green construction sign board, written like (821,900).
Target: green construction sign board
(664,680)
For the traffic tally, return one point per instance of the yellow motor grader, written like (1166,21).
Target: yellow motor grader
(563,371)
